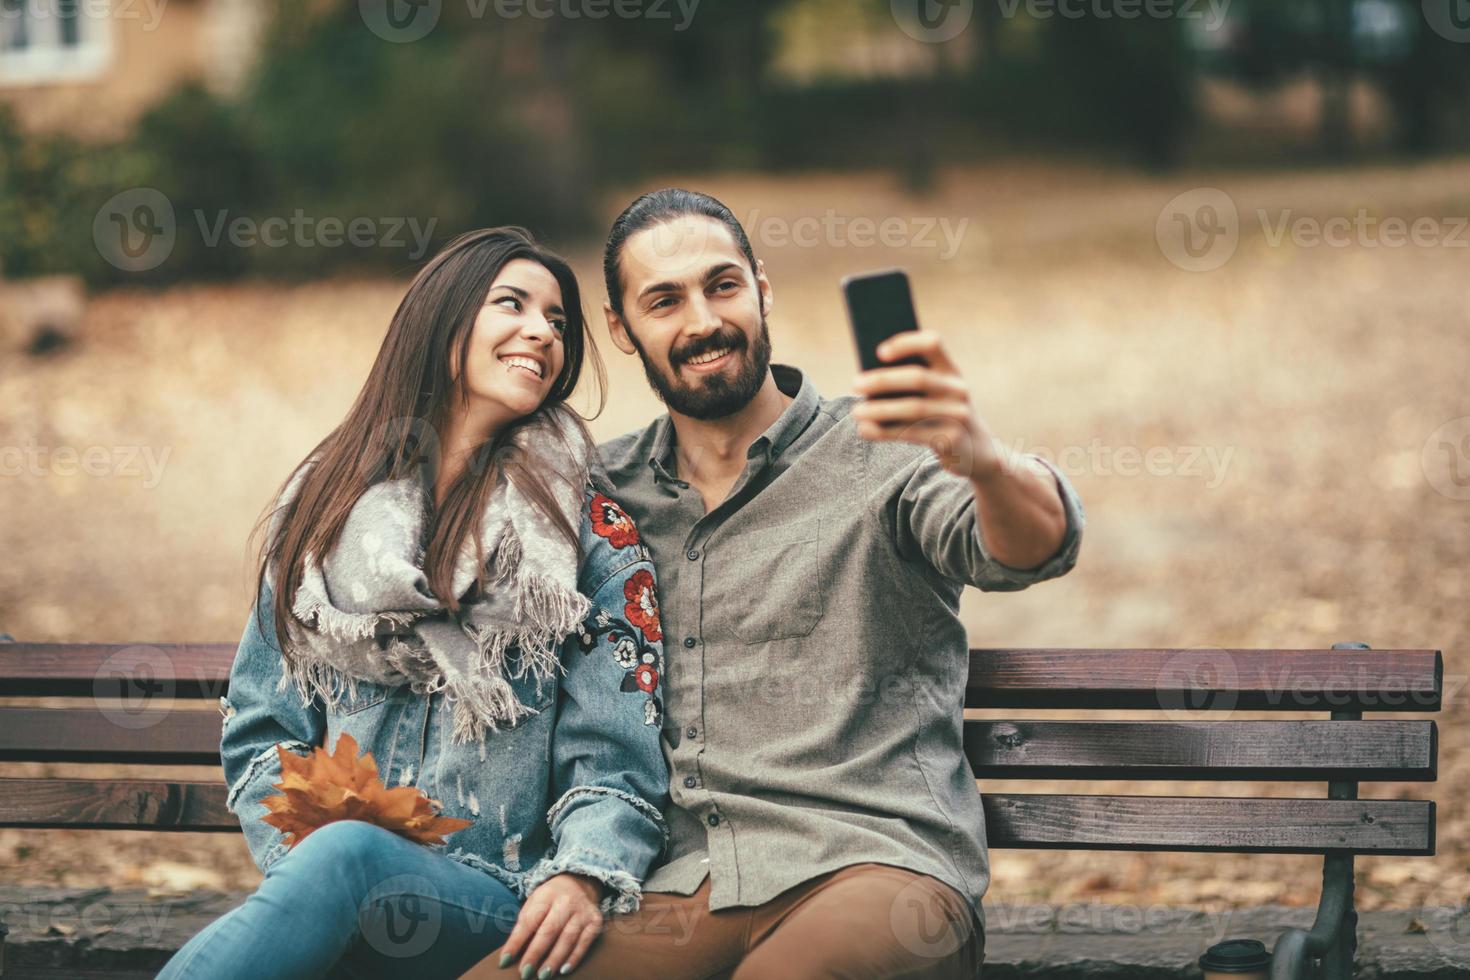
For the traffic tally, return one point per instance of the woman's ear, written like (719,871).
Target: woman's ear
(617,328)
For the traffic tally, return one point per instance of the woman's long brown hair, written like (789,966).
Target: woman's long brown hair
(392,429)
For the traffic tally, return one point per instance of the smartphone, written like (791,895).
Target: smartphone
(879,305)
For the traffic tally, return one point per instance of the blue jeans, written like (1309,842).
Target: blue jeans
(355,900)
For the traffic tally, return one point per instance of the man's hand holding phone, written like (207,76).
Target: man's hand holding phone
(928,404)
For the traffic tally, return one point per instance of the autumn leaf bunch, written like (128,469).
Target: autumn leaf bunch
(323,787)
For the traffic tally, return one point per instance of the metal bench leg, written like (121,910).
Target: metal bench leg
(1334,935)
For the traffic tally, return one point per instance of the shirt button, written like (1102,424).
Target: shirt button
(714,819)
(689,641)
(692,732)
(690,782)
(693,555)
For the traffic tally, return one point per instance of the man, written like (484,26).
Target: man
(811,554)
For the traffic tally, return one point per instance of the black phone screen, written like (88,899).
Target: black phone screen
(879,305)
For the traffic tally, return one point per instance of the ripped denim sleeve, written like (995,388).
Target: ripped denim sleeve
(607,834)
(608,768)
(265,842)
(257,718)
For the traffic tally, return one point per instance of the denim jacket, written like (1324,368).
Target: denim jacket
(576,787)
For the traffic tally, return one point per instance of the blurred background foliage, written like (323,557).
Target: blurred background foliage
(492,120)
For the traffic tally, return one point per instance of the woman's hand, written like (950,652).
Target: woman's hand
(560,920)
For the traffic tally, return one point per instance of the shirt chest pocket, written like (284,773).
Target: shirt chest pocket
(768,582)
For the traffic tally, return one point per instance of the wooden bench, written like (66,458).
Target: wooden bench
(124,710)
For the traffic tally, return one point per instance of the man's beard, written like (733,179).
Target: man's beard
(714,397)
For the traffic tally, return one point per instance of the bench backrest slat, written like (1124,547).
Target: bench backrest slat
(1278,750)
(92,733)
(1191,823)
(1204,679)
(1156,823)
(115,804)
(126,670)
(1207,679)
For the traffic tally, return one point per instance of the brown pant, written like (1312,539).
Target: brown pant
(863,922)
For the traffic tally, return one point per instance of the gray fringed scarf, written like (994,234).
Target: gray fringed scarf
(367,614)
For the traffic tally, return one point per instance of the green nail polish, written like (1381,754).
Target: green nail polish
(527,970)
(545,973)
(566,969)
(505,959)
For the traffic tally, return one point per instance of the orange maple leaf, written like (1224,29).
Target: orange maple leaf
(319,788)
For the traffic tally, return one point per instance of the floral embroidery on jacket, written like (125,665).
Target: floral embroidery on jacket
(642,605)
(632,649)
(612,522)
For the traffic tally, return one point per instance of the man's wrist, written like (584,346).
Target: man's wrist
(997,465)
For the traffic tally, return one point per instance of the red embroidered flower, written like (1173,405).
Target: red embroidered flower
(612,522)
(647,678)
(642,605)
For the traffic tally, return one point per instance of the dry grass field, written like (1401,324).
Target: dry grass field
(1295,498)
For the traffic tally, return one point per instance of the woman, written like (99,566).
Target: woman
(483,623)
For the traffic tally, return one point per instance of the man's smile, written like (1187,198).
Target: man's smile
(710,360)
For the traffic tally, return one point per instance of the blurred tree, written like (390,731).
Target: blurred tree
(1429,83)
(1127,82)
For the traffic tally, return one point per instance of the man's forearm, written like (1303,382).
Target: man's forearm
(1019,511)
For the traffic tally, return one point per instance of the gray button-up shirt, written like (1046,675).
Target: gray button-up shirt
(816,662)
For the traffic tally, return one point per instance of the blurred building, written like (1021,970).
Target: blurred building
(90,68)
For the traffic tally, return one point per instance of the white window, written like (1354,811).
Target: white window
(54,40)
